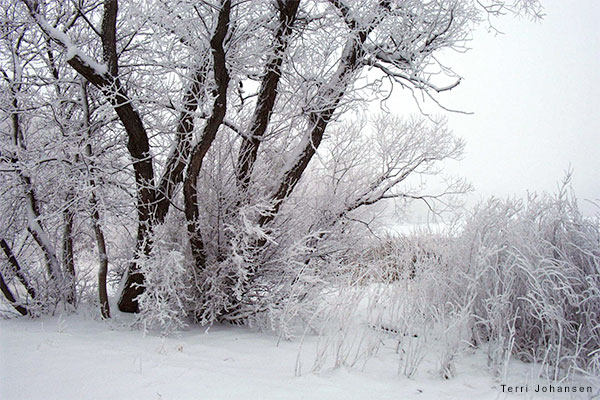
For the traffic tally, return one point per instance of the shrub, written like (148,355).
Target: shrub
(533,271)
(521,278)
(165,303)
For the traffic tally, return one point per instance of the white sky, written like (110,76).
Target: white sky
(534,94)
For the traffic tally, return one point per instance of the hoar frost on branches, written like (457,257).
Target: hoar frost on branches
(218,118)
(168,295)
(519,279)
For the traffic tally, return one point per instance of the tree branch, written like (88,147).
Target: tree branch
(320,114)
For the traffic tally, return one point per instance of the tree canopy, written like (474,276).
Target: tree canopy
(242,123)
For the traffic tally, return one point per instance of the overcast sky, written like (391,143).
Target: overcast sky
(534,94)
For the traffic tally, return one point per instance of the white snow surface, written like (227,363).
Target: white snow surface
(80,357)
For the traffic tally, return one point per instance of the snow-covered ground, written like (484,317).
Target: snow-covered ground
(79,357)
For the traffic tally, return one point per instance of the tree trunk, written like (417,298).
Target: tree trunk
(10,297)
(190,190)
(67,253)
(102,258)
(266,97)
(100,240)
(17,270)
(12,259)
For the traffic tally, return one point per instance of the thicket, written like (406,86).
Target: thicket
(519,278)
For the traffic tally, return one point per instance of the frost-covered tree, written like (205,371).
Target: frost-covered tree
(237,119)
(48,163)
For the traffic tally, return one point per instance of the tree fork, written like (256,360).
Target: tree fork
(349,64)
(173,173)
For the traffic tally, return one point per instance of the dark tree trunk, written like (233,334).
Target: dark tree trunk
(137,145)
(103,261)
(67,253)
(18,273)
(266,97)
(12,259)
(10,297)
(139,149)
(190,190)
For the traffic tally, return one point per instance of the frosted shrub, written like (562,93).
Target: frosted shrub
(534,269)
(264,286)
(379,301)
(286,288)
(223,289)
(342,342)
(520,279)
(165,303)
